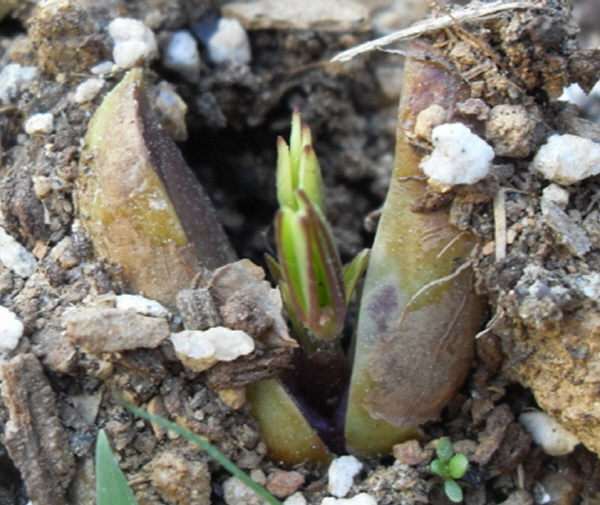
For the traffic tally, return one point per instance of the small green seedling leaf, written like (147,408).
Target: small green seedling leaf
(458,466)
(444,450)
(354,270)
(438,468)
(453,491)
(111,485)
(450,466)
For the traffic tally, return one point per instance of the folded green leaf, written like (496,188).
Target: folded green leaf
(298,168)
(311,268)
(354,270)
(111,485)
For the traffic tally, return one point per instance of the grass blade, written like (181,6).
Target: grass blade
(111,485)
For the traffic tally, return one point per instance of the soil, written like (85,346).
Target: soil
(538,269)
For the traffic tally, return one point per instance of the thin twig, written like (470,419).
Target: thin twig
(464,15)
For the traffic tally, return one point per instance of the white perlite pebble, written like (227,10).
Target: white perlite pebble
(459,156)
(11,330)
(141,305)
(199,350)
(554,439)
(13,78)
(341,475)
(359,499)
(14,256)
(88,90)
(554,193)
(567,159)
(40,123)
(182,56)
(102,68)
(229,43)
(134,42)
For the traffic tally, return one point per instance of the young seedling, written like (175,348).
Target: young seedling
(418,313)
(450,466)
(302,410)
(111,485)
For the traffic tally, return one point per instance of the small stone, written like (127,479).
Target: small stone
(171,111)
(197,309)
(141,305)
(359,499)
(13,78)
(14,256)
(134,42)
(98,329)
(40,123)
(102,68)
(179,480)
(88,90)
(229,42)
(199,350)
(428,119)
(567,159)
(282,483)
(510,130)
(65,254)
(11,330)
(235,492)
(554,193)
(324,15)
(411,453)
(459,156)
(475,107)
(233,398)
(182,56)
(341,475)
(545,431)
(565,229)
(258,476)
(296,499)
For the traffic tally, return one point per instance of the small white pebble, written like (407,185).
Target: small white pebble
(40,123)
(574,94)
(102,68)
(229,43)
(359,499)
(11,330)
(14,256)
(459,156)
(88,90)
(182,56)
(134,42)
(235,492)
(199,350)
(567,159)
(554,193)
(341,475)
(554,439)
(13,78)
(141,305)
(296,499)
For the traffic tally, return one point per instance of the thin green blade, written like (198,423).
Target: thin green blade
(111,485)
